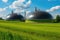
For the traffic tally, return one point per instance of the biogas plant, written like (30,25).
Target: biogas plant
(36,14)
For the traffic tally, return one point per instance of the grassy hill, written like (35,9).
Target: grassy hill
(15,30)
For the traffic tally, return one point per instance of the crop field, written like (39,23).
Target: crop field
(15,30)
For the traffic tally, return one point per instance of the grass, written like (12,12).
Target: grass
(15,30)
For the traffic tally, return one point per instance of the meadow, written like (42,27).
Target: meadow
(15,30)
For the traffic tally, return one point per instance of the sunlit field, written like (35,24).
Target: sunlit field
(15,30)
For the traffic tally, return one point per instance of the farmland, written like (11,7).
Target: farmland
(15,30)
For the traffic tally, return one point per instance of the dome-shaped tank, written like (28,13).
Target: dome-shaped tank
(40,15)
(15,16)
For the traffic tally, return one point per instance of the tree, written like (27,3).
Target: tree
(1,18)
(58,18)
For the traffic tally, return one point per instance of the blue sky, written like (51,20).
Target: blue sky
(51,6)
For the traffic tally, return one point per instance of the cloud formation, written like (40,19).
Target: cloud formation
(19,5)
(19,10)
(53,9)
(5,1)
(16,4)
(2,9)
(27,4)
(2,12)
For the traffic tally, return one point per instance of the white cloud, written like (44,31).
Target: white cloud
(53,9)
(1,15)
(20,6)
(21,0)
(27,4)
(19,11)
(5,1)
(2,12)
(16,4)
(2,9)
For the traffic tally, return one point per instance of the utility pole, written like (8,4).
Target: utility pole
(25,15)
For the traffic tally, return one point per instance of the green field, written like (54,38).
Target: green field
(15,30)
